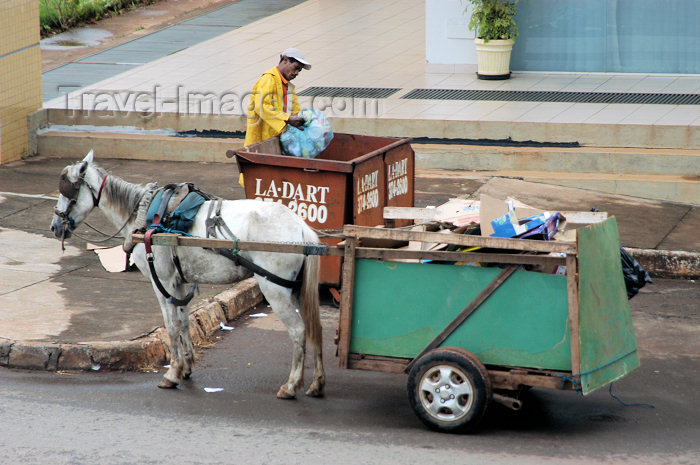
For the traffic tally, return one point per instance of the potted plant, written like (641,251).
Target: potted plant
(493,22)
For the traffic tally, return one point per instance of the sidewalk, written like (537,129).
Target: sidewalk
(369,45)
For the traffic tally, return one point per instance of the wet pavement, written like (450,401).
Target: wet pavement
(117,418)
(78,37)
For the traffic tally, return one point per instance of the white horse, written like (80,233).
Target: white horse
(84,186)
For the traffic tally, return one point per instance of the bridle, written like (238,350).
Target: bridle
(71,190)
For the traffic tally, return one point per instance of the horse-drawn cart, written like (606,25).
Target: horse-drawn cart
(467,335)
(473,327)
(459,331)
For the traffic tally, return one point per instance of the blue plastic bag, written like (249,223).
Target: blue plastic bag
(312,140)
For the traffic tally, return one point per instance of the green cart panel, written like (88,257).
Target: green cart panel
(400,307)
(608,345)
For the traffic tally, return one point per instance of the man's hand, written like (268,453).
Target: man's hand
(296,121)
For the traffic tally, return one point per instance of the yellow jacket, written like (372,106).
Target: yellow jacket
(266,117)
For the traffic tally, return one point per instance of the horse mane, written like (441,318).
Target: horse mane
(124,196)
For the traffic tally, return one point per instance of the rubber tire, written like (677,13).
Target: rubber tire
(467,364)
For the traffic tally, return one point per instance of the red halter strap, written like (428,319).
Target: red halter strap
(99,192)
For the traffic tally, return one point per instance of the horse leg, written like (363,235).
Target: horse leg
(184,320)
(174,375)
(319,382)
(281,302)
(310,311)
(170,315)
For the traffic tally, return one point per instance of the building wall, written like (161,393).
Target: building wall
(608,36)
(449,44)
(581,36)
(20,74)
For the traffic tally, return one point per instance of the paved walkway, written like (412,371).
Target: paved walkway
(167,41)
(364,44)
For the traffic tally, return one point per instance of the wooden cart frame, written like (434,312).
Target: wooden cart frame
(603,361)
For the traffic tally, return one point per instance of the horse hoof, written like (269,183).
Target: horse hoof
(284,394)
(314,392)
(167,384)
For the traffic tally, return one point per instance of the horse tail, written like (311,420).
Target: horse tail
(310,311)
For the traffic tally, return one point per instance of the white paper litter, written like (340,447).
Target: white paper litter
(113,259)
(226,328)
(213,389)
(258,315)
(96,367)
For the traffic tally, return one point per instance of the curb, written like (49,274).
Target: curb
(668,263)
(144,353)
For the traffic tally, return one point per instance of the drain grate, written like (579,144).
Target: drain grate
(552,96)
(352,92)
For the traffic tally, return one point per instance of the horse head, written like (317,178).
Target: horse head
(79,187)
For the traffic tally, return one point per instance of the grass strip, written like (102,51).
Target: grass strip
(60,15)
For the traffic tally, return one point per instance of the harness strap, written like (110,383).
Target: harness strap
(166,294)
(244,262)
(214,220)
(178,266)
(149,255)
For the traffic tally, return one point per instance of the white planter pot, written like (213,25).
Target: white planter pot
(493,58)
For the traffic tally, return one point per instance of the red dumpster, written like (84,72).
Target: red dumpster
(348,183)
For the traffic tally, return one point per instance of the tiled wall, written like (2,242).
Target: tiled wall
(20,74)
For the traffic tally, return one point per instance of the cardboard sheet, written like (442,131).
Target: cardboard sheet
(113,259)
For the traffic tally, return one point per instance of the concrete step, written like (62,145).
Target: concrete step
(360,121)
(669,188)
(593,160)
(153,144)
(135,146)
(659,174)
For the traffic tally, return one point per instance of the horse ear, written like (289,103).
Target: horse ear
(88,158)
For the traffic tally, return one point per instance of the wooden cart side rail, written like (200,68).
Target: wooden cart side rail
(466,257)
(346,303)
(417,213)
(501,377)
(572,286)
(460,239)
(168,239)
(175,240)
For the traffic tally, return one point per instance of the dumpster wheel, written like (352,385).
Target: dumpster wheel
(449,389)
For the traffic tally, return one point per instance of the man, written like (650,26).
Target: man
(273,103)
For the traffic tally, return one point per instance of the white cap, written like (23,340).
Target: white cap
(298,56)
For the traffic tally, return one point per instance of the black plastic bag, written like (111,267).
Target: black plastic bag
(635,276)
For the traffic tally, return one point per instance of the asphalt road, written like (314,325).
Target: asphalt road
(122,418)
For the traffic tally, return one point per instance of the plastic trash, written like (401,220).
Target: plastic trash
(312,140)
(635,276)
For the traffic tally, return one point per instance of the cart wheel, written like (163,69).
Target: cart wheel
(449,389)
